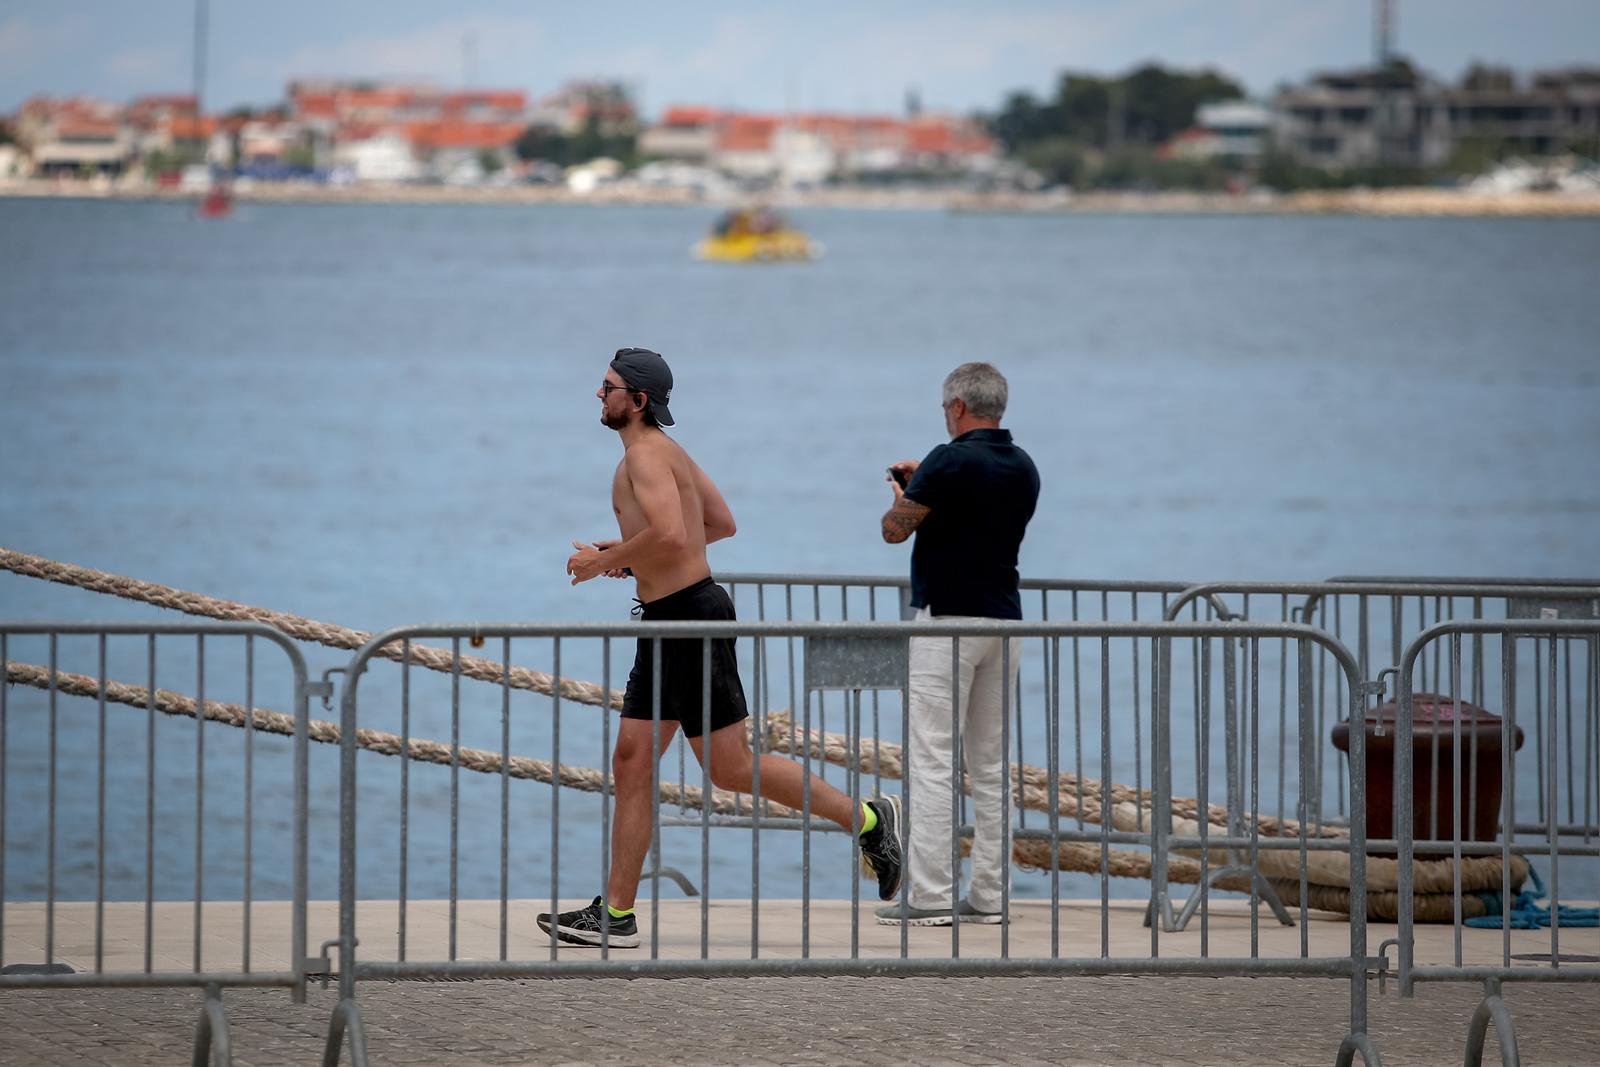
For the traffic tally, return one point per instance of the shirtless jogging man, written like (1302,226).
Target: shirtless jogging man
(668,511)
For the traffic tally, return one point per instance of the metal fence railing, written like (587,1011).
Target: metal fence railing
(845,598)
(119,816)
(418,851)
(1375,618)
(1461,785)
(1156,735)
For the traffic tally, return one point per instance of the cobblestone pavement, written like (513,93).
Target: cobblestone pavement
(804,1021)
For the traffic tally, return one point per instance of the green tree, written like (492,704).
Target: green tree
(1060,160)
(1279,171)
(489,161)
(1020,122)
(548,144)
(1146,106)
(1158,103)
(300,157)
(588,143)
(161,161)
(544,143)
(1083,103)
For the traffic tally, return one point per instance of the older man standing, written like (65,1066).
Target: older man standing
(968,504)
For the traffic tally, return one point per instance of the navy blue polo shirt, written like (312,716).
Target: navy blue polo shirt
(981,490)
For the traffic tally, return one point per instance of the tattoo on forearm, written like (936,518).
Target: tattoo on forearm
(902,520)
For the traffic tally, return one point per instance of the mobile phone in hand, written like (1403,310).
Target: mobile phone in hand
(900,476)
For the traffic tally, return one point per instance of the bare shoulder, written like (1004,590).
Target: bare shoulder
(654,454)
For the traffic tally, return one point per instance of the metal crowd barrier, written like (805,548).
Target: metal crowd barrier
(109,825)
(490,839)
(869,597)
(1376,618)
(1552,654)
(842,598)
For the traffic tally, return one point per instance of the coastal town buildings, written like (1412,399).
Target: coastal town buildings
(341,130)
(400,132)
(605,106)
(809,148)
(1235,130)
(74,136)
(1398,116)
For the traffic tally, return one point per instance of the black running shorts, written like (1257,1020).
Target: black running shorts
(683,665)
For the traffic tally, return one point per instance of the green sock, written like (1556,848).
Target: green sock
(869,818)
(619,913)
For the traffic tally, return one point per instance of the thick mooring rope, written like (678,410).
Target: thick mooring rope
(301,629)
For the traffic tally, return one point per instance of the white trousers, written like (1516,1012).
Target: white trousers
(980,686)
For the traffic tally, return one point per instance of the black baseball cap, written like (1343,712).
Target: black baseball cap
(647,372)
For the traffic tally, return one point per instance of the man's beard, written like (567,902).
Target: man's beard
(613,422)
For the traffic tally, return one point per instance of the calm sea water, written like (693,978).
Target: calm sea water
(377,414)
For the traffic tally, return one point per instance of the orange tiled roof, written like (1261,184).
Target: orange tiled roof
(316,105)
(160,101)
(378,98)
(824,121)
(86,127)
(504,99)
(357,131)
(453,134)
(187,127)
(342,102)
(946,137)
(681,115)
(59,108)
(746,133)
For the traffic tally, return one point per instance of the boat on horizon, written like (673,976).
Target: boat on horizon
(217,203)
(756,235)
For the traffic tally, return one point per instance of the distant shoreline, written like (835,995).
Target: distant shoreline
(1395,203)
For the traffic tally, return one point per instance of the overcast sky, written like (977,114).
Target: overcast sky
(859,55)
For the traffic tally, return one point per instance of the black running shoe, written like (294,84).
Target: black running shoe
(582,927)
(881,854)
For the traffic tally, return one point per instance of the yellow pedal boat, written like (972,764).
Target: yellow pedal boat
(756,237)
(759,247)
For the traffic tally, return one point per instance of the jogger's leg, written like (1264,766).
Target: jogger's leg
(782,779)
(630,827)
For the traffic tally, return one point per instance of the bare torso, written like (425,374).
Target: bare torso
(666,572)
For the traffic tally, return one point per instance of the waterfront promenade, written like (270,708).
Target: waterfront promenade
(1401,202)
(1227,935)
(767,1022)
(1088,1020)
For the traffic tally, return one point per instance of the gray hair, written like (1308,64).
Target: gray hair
(981,386)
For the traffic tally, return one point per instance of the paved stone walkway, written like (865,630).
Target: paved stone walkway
(765,1022)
